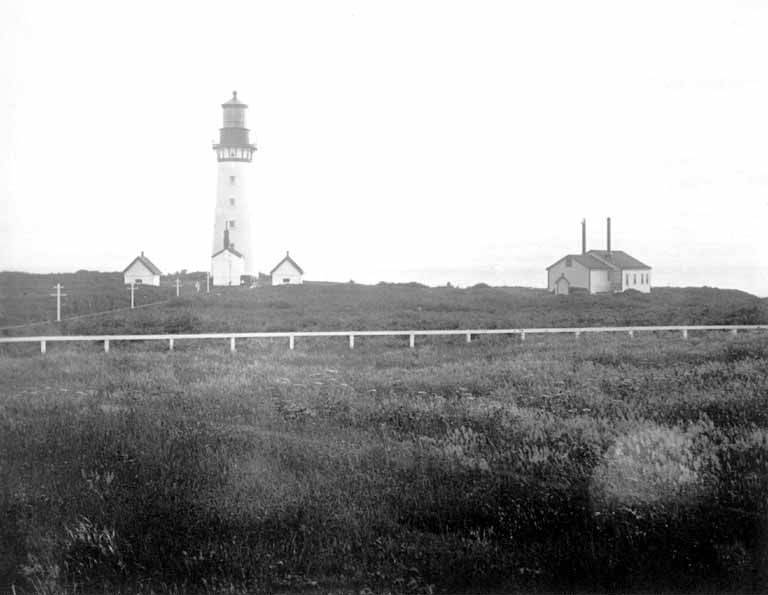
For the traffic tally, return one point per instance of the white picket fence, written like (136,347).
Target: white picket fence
(350,335)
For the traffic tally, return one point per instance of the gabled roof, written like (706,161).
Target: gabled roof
(146,262)
(585,260)
(618,259)
(289,260)
(227,249)
(615,260)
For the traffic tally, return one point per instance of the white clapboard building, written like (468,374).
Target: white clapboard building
(287,272)
(598,271)
(142,271)
(227,265)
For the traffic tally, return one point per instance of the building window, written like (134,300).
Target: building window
(286,280)
(231,224)
(626,279)
(634,279)
(568,261)
(232,180)
(231,202)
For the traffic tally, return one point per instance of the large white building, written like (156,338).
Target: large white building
(598,271)
(141,271)
(234,152)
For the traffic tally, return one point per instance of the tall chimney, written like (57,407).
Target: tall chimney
(609,236)
(583,236)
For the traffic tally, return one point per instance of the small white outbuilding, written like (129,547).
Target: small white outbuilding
(287,272)
(142,272)
(227,266)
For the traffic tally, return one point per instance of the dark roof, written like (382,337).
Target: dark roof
(618,259)
(146,262)
(234,102)
(287,259)
(604,260)
(585,260)
(227,249)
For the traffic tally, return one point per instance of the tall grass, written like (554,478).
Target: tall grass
(601,465)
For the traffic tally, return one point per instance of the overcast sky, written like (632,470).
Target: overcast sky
(429,141)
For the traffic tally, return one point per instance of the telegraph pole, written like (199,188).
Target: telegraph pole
(178,283)
(207,282)
(133,286)
(58,295)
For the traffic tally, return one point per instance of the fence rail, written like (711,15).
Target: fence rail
(411,334)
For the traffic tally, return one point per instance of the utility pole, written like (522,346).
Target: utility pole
(133,286)
(207,282)
(58,295)
(178,283)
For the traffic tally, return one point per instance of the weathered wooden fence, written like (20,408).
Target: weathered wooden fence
(350,335)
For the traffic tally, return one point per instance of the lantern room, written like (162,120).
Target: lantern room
(234,143)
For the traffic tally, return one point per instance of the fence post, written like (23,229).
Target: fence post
(412,340)
(42,346)
(106,345)
(685,333)
(734,331)
(522,336)
(631,333)
(469,337)
(351,341)
(170,344)
(578,334)
(290,342)
(232,347)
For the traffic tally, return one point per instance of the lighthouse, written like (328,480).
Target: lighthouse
(232,223)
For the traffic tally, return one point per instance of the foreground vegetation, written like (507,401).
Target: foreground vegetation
(597,464)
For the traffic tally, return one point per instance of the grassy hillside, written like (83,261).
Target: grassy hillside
(602,465)
(27,297)
(346,306)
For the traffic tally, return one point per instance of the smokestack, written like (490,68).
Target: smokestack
(609,236)
(583,236)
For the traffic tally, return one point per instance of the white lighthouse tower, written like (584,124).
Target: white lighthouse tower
(234,152)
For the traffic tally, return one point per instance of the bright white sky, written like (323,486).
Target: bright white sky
(429,141)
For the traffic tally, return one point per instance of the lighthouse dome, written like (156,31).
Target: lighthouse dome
(234,101)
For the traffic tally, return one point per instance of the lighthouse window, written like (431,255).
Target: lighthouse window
(231,202)
(231,224)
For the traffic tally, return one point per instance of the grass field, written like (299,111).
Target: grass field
(354,307)
(598,464)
